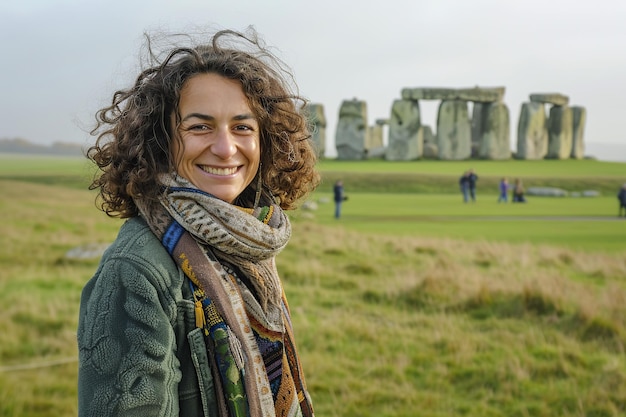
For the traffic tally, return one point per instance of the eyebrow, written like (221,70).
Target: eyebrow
(245,116)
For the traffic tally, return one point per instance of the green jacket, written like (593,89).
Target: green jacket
(140,353)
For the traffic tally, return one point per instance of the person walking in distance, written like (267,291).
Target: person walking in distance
(471,182)
(339,197)
(621,196)
(504,191)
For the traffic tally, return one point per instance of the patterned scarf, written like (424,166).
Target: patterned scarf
(228,253)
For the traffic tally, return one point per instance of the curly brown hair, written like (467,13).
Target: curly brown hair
(134,133)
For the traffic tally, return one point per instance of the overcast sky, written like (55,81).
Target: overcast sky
(61,59)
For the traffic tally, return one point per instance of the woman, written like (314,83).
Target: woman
(185,314)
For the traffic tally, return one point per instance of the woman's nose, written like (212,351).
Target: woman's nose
(224,145)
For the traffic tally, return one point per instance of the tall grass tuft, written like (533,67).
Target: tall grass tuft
(444,327)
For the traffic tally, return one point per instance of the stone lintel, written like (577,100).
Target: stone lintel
(550,98)
(477,94)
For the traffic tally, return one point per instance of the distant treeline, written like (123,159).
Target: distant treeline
(24,146)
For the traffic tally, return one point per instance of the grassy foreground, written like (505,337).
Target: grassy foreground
(435,327)
(388,323)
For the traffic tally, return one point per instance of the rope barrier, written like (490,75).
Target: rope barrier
(27,366)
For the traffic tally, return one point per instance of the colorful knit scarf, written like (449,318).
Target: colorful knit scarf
(228,253)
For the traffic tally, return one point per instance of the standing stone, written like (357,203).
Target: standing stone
(477,127)
(560,125)
(405,137)
(430,143)
(454,130)
(579,115)
(495,142)
(317,119)
(374,137)
(352,130)
(374,147)
(532,132)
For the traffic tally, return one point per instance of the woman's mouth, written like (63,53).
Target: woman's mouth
(218,170)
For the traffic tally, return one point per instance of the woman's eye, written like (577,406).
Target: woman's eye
(243,128)
(198,128)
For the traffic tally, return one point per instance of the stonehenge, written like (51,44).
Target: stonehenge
(560,132)
(556,136)
(477,94)
(458,137)
(532,131)
(355,139)
(374,145)
(454,130)
(579,115)
(493,140)
(431,151)
(550,98)
(317,120)
(548,127)
(405,142)
(352,130)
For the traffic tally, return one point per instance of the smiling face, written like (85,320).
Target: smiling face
(219,146)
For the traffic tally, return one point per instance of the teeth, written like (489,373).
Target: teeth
(219,171)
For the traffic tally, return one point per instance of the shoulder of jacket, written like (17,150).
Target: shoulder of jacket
(136,238)
(137,250)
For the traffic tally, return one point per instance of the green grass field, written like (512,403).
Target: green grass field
(413,304)
(511,168)
(70,171)
(577,223)
(433,177)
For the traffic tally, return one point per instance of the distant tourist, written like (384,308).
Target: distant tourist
(339,197)
(464,186)
(504,191)
(518,192)
(621,196)
(471,182)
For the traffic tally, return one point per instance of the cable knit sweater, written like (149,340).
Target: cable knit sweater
(140,353)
